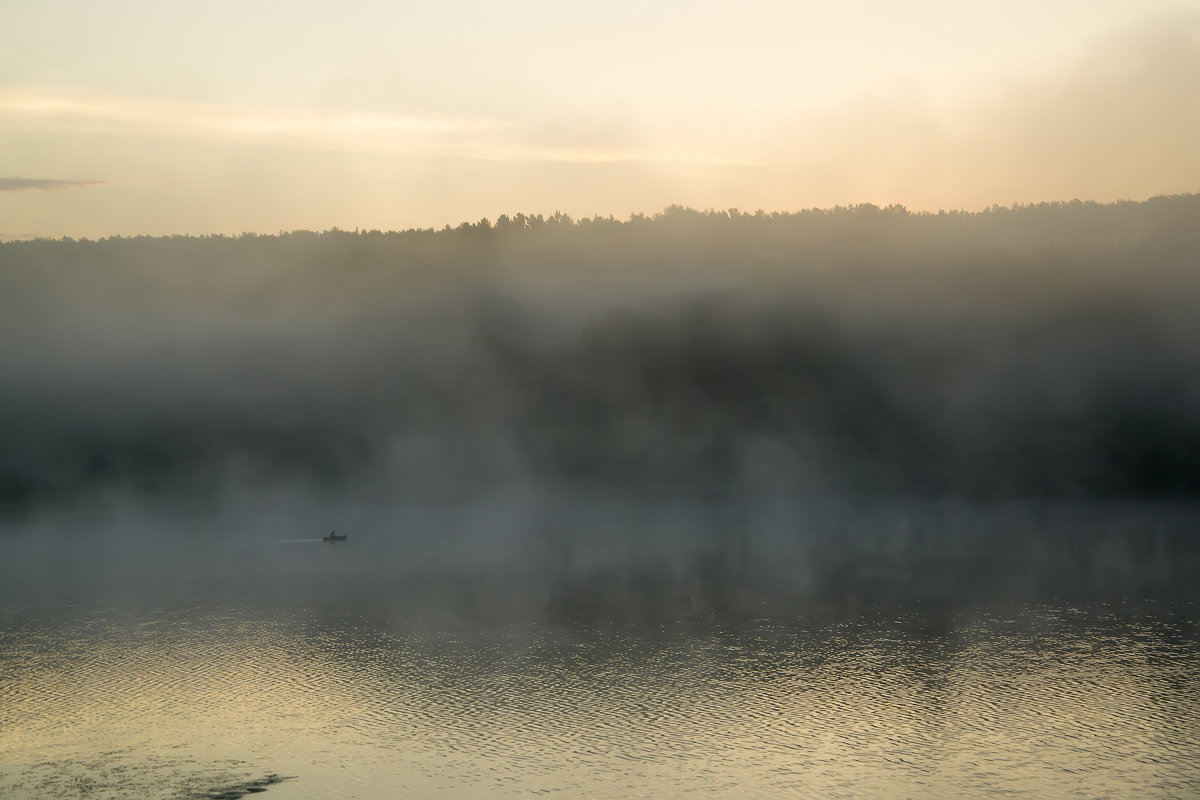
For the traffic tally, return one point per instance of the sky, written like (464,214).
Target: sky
(130,117)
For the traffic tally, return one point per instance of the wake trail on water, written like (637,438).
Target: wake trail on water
(297,541)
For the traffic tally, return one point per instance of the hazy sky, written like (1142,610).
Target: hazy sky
(129,117)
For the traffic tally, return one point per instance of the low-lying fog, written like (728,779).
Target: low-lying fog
(714,394)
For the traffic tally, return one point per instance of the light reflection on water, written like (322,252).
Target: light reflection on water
(1040,700)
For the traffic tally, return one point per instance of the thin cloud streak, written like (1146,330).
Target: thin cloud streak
(43,184)
(408,134)
(79,110)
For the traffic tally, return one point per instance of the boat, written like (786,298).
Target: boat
(333,537)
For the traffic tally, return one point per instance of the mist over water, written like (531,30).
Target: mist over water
(793,501)
(1038,351)
(524,391)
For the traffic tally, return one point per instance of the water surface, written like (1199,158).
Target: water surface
(171,691)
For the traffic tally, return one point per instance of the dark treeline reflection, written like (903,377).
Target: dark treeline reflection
(756,365)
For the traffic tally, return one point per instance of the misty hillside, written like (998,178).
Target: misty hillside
(1047,351)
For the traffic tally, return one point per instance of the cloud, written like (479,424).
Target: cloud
(83,110)
(44,184)
(1119,120)
(487,139)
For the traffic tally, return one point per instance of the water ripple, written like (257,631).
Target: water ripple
(1046,701)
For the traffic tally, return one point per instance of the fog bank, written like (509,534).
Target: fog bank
(1036,351)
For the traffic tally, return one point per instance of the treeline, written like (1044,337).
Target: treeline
(1044,220)
(1047,350)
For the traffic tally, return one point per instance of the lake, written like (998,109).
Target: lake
(348,677)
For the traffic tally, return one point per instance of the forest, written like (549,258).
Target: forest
(1036,351)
